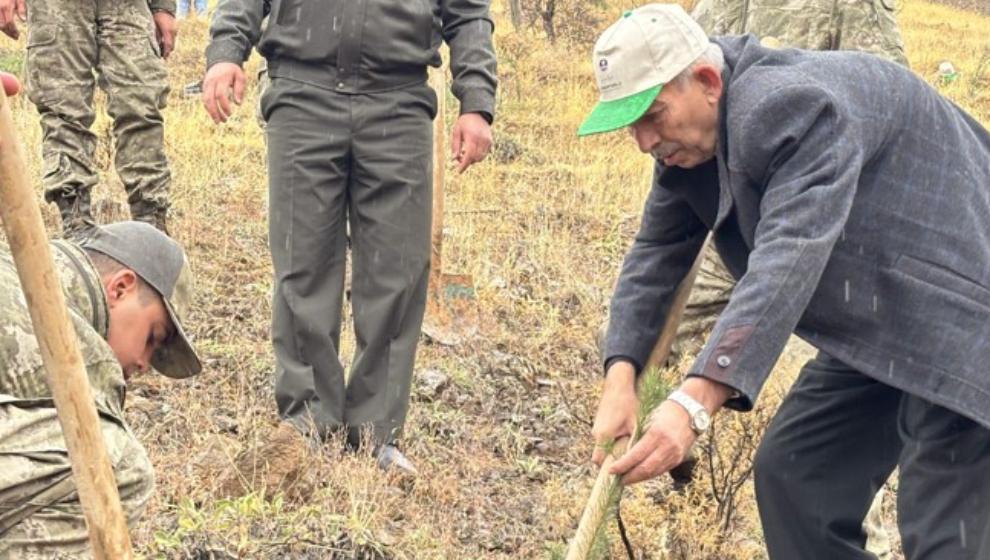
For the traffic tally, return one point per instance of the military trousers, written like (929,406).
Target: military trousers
(366,160)
(836,438)
(73,46)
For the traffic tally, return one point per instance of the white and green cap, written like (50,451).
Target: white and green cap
(635,57)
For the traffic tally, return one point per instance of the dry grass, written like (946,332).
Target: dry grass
(542,226)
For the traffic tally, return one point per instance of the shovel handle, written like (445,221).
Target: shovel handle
(65,372)
(439,82)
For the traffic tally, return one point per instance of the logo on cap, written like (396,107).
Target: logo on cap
(603,64)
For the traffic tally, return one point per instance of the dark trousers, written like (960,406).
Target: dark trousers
(837,437)
(364,159)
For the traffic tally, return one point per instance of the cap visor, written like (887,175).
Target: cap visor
(177,358)
(618,113)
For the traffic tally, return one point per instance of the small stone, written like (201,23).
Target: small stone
(431,382)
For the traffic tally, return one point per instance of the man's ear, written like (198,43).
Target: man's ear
(119,285)
(710,80)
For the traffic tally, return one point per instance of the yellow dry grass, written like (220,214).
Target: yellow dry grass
(542,226)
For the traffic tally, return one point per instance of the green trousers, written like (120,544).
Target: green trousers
(73,46)
(365,159)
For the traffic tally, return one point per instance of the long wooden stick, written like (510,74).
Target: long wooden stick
(439,82)
(65,371)
(605,484)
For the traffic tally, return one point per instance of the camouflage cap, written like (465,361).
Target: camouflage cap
(161,262)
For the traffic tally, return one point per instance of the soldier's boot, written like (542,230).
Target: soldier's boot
(77,216)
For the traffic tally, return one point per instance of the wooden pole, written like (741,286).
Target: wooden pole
(439,82)
(606,484)
(65,371)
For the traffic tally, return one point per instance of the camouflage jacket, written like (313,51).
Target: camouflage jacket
(22,373)
(860,25)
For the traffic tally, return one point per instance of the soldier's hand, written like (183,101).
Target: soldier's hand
(470,140)
(223,80)
(9,9)
(616,417)
(165,32)
(11,86)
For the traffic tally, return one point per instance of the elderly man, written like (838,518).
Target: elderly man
(348,122)
(849,200)
(126,286)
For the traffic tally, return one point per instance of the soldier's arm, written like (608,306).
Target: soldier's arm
(235,29)
(467,29)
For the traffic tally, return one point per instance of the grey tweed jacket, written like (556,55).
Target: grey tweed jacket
(852,203)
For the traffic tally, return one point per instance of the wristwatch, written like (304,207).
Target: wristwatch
(700,419)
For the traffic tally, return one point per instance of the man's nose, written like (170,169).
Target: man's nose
(645,138)
(144,362)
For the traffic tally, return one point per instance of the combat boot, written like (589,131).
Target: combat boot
(77,217)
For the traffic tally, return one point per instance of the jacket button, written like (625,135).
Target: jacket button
(340,84)
(723,361)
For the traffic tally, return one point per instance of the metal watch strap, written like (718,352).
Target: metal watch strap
(700,419)
(690,405)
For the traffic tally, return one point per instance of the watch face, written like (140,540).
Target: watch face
(701,421)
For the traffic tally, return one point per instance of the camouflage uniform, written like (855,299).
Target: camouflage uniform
(72,46)
(40,514)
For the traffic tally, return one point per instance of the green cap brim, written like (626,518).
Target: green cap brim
(618,113)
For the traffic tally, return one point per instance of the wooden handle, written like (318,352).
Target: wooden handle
(607,484)
(439,82)
(65,371)
(597,505)
(661,350)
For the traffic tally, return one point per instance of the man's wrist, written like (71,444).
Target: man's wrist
(621,374)
(711,394)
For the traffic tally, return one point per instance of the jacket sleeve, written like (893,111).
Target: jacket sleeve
(669,239)
(162,6)
(807,157)
(235,29)
(467,29)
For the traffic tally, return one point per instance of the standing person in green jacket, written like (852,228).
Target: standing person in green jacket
(72,46)
(127,287)
(349,132)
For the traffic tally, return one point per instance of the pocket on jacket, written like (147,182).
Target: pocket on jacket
(943,278)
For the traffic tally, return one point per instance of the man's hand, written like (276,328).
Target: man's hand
(617,410)
(8,10)
(11,86)
(471,140)
(222,80)
(663,445)
(668,435)
(165,32)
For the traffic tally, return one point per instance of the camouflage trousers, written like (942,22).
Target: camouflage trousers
(73,45)
(860,25)
(710,294)
(40,513)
